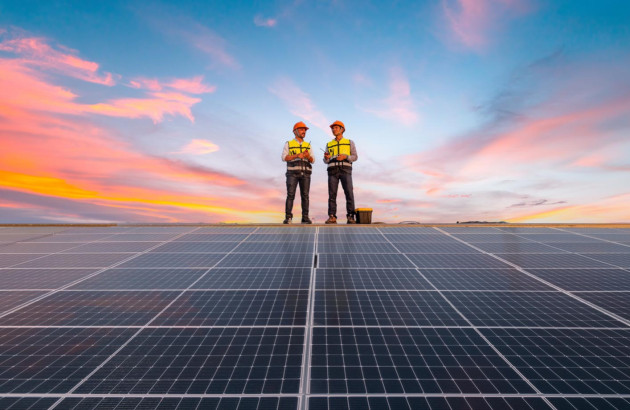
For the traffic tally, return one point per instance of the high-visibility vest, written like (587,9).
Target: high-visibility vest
(299,164)
(336,148)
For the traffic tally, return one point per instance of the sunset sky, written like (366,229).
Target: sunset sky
(177,111)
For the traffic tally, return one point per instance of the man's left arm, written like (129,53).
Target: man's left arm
(353,152)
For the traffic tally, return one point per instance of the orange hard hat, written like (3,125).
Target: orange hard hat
(299,125)
(339,123)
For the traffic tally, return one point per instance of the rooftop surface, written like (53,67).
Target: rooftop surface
(315,317)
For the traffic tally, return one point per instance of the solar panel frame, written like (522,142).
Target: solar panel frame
(370,279)
(399,360)
(91,308)
(216,360)
(616,302)
(585,279)
(10,299)
(383,308)
(482,279)
(379,278)
(40,279)
(255,278)
(141,279)
(568,361)
(527,309)
(53,360)
(241,308)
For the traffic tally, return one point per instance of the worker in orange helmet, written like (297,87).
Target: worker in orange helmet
(297,154)
(340,154)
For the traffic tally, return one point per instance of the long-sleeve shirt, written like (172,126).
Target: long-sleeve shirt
(353,154)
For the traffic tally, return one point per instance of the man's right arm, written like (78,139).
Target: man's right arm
(285,152)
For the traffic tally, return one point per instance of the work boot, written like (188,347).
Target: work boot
(331,220)
(351,219)
(287,220)
(306,220)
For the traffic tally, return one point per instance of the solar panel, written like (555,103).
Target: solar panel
(236,308)
(615,302)
(482,279)
(27,247)
(372,360)
(585,279)
(92,308)
(219,360)
(255,278)
(381,279)
(411,403)
(134,278)
(314,317)
(174,260)
(383,308)
(457,260)
(12,299)
(40,278)
(527,309)
(54,360)
(568,361)
(555,260)
(73,260)
(112,247)
(364,260)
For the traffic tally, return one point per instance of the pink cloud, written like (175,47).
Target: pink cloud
(36,52)
(193,85)
(155,107)
(552,142)
(199,147)
(265,22)
(398,106)
(299,103)
(52,151)
(472,22)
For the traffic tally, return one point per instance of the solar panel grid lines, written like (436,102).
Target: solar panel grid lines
(573,280)
(370,279)
(375,307)
(524,380)
(384,308)
(106,361)
(615,261)
(43,255)
(236,308)
(305,380)
(570,294)
(35,300)
(410,402)
(255,278)
(187,402)
(568,361)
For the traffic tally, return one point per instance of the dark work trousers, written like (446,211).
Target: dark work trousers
(343,174)
(293,179)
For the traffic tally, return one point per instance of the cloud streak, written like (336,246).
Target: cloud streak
(269,22)
(299,103)
(398,106)
(36,52)
(53,151)
(472,22)
(199,147)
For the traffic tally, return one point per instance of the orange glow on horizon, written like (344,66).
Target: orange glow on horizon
(50,186)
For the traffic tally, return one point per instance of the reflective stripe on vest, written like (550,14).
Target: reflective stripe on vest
(341,147)
(299,164)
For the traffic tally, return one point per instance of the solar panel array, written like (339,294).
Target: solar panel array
(343,317)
